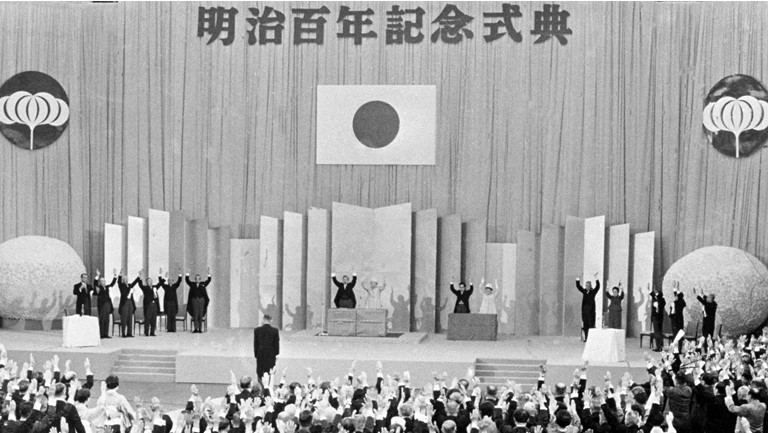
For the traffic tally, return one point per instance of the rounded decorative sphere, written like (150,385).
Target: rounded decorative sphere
(37,274)
(738,280)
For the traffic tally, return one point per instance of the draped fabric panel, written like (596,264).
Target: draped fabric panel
(527,133)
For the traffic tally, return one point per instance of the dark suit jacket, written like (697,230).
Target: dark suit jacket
(266,345)
(84,296)
(197,290)
(125,288)
(170,291)
(68,412)
(102,295)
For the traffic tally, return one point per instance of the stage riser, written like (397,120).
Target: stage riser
(212,369)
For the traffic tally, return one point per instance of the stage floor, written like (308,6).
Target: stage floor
(223,346)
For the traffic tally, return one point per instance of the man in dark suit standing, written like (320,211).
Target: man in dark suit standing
(171,299)
(266,346)
(345,296)
(103,301)
(197,302)
(83,292)
(657,317)
(588,304)
(127,304)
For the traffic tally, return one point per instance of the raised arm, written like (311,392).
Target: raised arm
(578,286)
(177,283)
(134,282)
(114,280)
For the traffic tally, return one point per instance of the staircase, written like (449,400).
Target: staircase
(137,365)
(497,371)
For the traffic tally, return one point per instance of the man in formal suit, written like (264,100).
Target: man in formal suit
(171,300)
(677,311)
(66,411)
(710,309)
(151,304)
(127,305)
(197,302)
(266,346)
(657,317)
(104,301)
(345,296)
(462,297)
(588,305)
(83,292)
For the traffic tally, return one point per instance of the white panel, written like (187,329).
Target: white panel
(642,282)
(159,241)
(294,254)
(508,288)
(158,245)
(244,283)
(594,260)
(114,256)
(137,251)
(269,270)
(425,271)
(618,264)
(391,259)
(318,265)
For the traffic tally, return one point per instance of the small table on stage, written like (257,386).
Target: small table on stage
(482,327)
(605,345)
(81,331)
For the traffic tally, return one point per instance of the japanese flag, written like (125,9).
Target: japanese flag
(376,125)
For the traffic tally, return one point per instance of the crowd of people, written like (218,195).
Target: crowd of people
(711,386)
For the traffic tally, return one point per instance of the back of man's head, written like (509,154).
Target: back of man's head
(245,382)
(112,381)
(521,416)
(451,407)
(491,391)
(25,408)
(59,390)
(486,409)
(267,318)
(82,395)
(406,410)
(348,425)
(448,426)
(305,418)
(563,419)
(680,378)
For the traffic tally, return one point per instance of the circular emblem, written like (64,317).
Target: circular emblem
(34,110)
(735,115)
(376,124)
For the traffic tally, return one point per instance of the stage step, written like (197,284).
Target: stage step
(491,371)
(140,365)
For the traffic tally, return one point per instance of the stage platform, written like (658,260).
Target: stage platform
(208,358)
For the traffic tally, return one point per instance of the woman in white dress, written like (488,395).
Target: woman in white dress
(490,293)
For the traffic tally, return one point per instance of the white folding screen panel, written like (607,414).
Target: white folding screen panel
(158,247)
(594,260)
(114,256)
(270,267)
(244,283)
(642,282)
(136,256)
(318,264)
(294,259)
(618,265)
(424,271)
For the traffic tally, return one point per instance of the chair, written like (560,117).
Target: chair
(138,319)
(181,316)
(115,320)
(160,317)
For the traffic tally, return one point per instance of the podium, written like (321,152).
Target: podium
(80,331)
(479,327)
(347,322)
(342,322)
(605,345)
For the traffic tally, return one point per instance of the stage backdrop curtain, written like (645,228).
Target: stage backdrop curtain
(527,133)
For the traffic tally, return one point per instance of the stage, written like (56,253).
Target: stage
(208,358)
